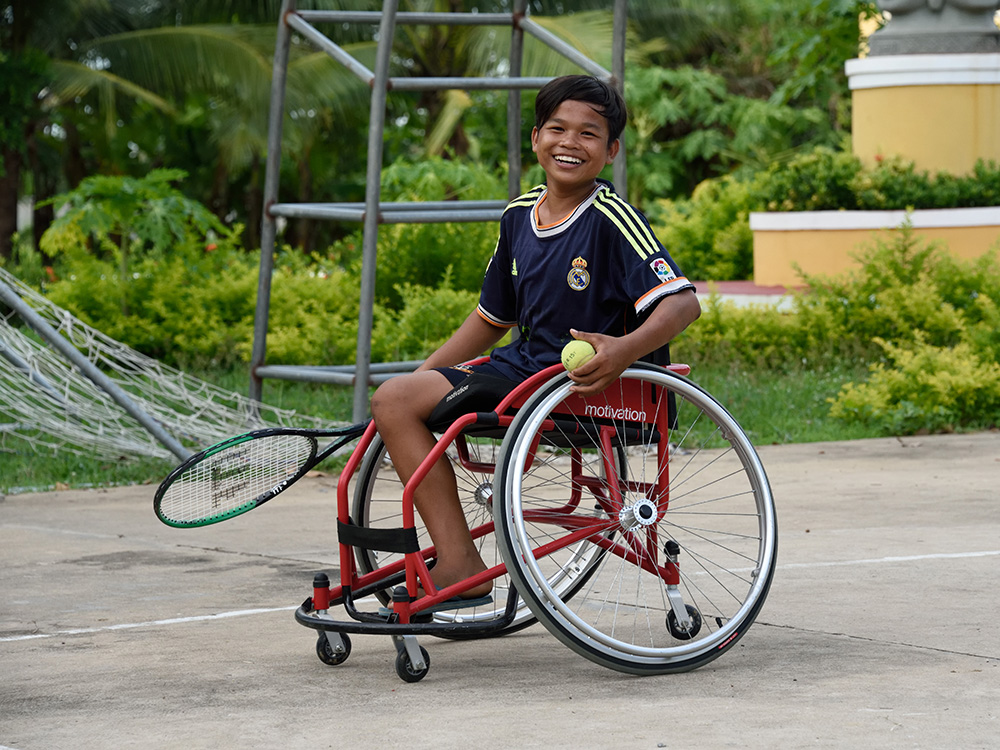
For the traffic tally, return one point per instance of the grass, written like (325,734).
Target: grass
(773,408)
(324,401)
(778,408)
(22,469)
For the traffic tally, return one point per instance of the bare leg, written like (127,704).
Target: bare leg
(400,408)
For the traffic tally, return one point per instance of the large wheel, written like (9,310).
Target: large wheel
(377,503)
(695,536)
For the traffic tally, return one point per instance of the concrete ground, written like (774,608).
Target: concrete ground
(881,629)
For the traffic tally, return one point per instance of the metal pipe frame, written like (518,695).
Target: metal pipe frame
(414,18)
(466,84)
(338,374)
(514,102)
(564,49)
(620,168)
(416,213)
(272,174)
(334,50)
(372,212)
(373,195)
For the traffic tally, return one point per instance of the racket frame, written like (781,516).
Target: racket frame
(316,456)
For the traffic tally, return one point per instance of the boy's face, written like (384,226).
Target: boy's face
(572,146)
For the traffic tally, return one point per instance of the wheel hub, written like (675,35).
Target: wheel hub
(483,495)
(642,513)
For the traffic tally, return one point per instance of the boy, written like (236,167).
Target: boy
(570,253)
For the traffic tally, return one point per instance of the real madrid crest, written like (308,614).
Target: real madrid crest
(579,277)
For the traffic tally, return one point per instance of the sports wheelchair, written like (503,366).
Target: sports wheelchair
(637,526)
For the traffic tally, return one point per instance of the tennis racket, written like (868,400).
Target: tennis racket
(240,473)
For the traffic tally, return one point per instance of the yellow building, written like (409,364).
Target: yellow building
(940,111)
(827,242)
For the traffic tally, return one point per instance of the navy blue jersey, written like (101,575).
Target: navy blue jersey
(598,270)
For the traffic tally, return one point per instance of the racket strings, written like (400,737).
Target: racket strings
(234,479)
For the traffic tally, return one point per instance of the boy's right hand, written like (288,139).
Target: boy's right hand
(612,356)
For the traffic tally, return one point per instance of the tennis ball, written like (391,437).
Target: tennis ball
(577,353)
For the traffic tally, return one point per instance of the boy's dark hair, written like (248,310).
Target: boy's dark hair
(601,95)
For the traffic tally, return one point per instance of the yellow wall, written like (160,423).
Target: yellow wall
(940,128)
(829,252)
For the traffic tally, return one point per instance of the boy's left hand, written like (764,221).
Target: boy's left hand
(612,356)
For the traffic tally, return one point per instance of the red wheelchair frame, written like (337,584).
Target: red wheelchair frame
(628,523)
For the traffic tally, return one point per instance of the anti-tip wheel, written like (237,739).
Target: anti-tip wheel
(328,655)
(404,667)
(675,628)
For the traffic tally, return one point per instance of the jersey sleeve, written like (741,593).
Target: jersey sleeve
(648,271)
(659,276)
(497,298)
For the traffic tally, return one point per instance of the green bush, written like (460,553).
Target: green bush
(927,324)
(821,179)
(709,235)
(25,262)
(180,311)
(200,314)
(908,288)
(424,254)
(927,389)
(764,338)
(894,294)
(427,319)
(313,317)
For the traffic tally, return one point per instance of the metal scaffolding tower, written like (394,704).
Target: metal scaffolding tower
(373,211)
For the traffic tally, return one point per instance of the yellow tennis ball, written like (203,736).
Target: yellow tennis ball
(577,353)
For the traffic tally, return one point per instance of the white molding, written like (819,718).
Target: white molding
(888,71)
(932,218)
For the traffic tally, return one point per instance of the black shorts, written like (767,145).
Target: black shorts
(475,388)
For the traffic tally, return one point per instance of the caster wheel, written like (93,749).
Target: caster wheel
(404,667)
(685,635)
(326,653)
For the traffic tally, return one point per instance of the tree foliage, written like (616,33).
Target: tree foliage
(131,85)
(149,211)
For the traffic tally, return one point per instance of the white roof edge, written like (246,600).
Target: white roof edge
(885,71)
(937,218)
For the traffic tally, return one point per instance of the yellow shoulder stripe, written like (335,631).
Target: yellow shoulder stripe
(629,223)
(527,199)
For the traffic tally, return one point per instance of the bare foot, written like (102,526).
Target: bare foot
(445,576)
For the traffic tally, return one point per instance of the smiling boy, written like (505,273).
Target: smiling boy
(573,260)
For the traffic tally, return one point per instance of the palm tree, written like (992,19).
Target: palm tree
(33,34)
(86,62)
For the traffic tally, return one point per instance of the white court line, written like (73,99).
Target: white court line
(150,624)
(53,530)
(246,612)
(878,560)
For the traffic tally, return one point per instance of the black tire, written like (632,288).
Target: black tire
(326,653)
(709,497)
(675,629)
(404,667)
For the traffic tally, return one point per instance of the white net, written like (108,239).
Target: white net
(49,403)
